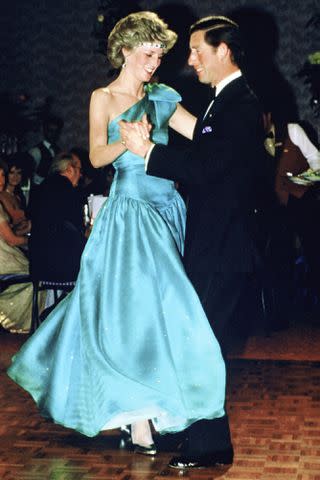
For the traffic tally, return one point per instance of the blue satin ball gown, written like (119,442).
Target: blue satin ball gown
(131,341)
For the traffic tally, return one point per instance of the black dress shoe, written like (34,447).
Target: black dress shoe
(125,438)
(149,450)
(224,457)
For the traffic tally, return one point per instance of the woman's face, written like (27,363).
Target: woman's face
(2,180)
(143,61)
(14,176)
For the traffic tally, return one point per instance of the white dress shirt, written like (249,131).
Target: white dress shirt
(223,83)
(35,152)
(299,137)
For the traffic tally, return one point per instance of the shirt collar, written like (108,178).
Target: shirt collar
(223,83)
(46,143)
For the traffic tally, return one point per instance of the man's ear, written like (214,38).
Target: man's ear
(222,51)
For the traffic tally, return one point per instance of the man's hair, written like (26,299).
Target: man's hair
(222,29)
(60,163)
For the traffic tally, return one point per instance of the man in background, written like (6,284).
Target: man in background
(45,151)
(57,233)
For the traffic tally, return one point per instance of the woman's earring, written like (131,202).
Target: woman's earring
(124,63)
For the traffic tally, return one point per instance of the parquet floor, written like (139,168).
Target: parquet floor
(274,409)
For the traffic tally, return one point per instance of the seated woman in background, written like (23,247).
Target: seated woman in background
(13,198)
(16,300)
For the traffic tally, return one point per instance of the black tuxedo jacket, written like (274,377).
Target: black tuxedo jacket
(57,238)
(224,169)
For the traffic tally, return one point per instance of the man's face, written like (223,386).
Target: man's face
(75,171)
(51,132)
(204,59)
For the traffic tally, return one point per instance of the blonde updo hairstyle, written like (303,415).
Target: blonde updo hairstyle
(137,28)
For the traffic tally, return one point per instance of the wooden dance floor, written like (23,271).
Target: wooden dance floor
(274,409)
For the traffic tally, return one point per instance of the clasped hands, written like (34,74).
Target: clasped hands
(135,136)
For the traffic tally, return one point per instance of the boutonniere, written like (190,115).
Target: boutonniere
(207,129)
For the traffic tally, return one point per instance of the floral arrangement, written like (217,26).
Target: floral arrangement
(314,58)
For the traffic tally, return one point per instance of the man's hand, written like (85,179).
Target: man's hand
(135,136)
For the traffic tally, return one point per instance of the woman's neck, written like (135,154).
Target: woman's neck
(10,189)
(128,84)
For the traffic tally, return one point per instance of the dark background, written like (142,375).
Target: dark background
(49,52)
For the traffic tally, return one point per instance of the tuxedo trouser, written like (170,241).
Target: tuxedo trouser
(220,294)
(223,295)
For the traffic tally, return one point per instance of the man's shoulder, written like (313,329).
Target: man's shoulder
(245,101)
(55,182)
(238,94)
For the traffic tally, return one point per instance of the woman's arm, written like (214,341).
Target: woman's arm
(11,205)
(9,237)
(183,122)
(100,152)
(22,228)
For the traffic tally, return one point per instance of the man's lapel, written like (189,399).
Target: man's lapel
(233,89)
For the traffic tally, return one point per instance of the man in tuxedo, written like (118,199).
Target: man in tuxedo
(223,170)
(57,232)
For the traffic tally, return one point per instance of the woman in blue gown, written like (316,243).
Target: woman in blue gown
(131,342)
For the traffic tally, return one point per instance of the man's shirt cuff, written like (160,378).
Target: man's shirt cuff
(147,157)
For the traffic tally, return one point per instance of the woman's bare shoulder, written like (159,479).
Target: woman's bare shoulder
(102,93)
(102,98)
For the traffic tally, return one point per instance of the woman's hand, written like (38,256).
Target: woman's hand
(9,236)
(135,136)
(22,228)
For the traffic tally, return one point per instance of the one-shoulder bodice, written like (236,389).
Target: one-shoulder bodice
(159,103)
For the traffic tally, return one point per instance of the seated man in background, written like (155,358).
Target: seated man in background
(94,181)
(57,234)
